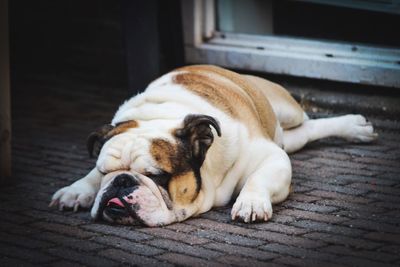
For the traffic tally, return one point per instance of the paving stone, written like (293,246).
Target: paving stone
(338,163)
(301,188)
(383,197)
(85,259)
(181,227)
(365,254)
(395,249)
(375,187)
(344,240)
(352,261)
(54,217)
(15,218)
(228,238)
(305,262)
(179,247)
(371,154)
(372,181)
(232,260)
(336,188)
(70,242)
(280,228)
(118,230)
(291,240)
(24,241)
(64,229)
(217,216)
(24,254)
(389,176)
(383,207)
(300,252)
(219,226)
(301,214)
(303,198)
(339,196)
(352,206)
(373,225)
(65,263)
(375,167)
(371,215)
(310,207)
(7,261)
(240,250)
(185,260)
(130,258)
(18,229)
(128,245)
(190,239)
(329,228)
(277,217)
(384,237)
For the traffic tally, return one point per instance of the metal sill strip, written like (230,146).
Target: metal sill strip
(300,57)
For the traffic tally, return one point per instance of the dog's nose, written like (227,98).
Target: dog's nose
(124,180)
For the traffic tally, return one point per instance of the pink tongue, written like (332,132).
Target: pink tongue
(115,201)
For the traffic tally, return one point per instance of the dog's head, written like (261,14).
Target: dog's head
(151,169)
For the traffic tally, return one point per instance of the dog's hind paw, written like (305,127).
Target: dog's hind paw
(358,129)
(251,209)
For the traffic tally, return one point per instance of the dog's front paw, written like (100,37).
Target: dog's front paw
(252,208)
(358,129)
(73,196)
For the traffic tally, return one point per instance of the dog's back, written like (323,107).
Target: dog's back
(232,93)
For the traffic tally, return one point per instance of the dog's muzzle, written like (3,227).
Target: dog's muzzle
(113,205)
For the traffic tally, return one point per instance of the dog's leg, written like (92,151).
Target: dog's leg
(79,194)
(269,183)
(350,127)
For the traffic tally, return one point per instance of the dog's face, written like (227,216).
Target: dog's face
(151,169)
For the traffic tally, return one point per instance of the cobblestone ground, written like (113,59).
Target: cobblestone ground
(343,211)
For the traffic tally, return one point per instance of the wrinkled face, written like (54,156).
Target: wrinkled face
(151,170)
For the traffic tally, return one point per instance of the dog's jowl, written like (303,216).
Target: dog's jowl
(196,138)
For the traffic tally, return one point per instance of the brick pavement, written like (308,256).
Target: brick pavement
(343,210)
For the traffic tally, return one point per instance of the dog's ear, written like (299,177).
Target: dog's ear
(96,139)
(196,132)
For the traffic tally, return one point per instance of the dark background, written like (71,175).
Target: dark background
(129,43)
(341,24)
(94,40)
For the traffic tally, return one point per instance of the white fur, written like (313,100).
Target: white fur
(351,127)
(256,169)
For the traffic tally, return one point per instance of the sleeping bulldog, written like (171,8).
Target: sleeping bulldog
(196,138)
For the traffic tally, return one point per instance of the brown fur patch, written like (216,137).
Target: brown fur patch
(232,93)
(164,154)
(183,188)
(122,127)
(214,92)
(289,112)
